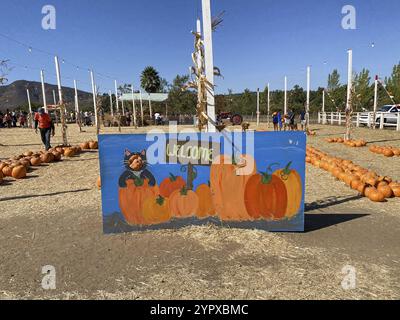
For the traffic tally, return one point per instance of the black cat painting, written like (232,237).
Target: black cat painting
(135,167)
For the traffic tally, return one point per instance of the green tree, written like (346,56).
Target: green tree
(181,101)
(393,84)
(150,80)
(364,92)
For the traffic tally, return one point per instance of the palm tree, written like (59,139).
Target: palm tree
(150,80)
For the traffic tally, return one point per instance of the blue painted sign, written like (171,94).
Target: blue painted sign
(243,180)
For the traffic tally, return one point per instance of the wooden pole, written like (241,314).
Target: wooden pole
(43,90)
(209,63)
(77,111)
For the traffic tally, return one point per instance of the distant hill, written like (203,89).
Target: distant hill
(13,96)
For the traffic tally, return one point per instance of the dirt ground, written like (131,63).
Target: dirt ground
(54,218)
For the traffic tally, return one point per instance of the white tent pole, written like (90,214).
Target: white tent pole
(141,107)
(349,77)
(54,97)
(76,99)
(43,90)
(116,96)
(134,108)
(111,104)
(60,98)
(268,104)
(209,63)
(308,96)
(285,102)
(375,100)
(198,30)
(258,107)
(29,101)
(150,110)
(94,96)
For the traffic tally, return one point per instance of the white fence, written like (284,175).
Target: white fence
(384,119)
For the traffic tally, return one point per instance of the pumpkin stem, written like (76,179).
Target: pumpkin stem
(160,200)
(184,191)
(266,178)
(172,177)
(286,171)
(269,169)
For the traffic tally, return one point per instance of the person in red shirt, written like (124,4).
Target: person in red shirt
(46,127)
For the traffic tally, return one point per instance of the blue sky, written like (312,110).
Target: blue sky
(260,41)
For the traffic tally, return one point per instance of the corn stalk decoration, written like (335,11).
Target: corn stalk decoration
(198,80)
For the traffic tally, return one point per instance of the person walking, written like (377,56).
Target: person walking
(303,120)
(46,127)
(275,121)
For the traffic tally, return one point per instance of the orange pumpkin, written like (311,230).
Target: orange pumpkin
(84,146)
(93,145)
(294,188)
(7,170)
(169,185)
(228,183)
(35,161)
(19,172)
(69,152)
(132,197)
(183,203)
(1,177)
(266,197)
(57,155)
(98,182)
(206,207)
(156,210)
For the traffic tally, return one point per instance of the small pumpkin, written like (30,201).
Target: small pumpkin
(28,153)
(69,152)
(36,161)
(388,153)
(93,145)
(18,172)
(171,184)
(7,170)
(183,203)
(47,157)
(84,145)
(1,177)
(156,210)
(396,191)
(376,196)
(385,190)
(57,155)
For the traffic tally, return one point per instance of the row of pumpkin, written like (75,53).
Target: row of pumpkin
(18,166)
(387,151)
(350,143)
(368,183)
(233,194)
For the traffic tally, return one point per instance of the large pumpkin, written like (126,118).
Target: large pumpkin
(156,210)
(294,188)
(206,207)
(132,197)
(266,197)
(170,184)
(228,182)
(19,172)
(183,203)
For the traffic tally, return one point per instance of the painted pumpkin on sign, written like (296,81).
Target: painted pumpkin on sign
(294,188)
(156,210)
(228,182)
(206,207)
(171,184)
(132,197)
(266,197)
(183,203)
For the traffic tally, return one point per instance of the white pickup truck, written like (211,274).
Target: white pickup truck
(388,112)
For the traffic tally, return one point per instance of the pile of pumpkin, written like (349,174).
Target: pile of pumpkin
(387,151)
(349,143)
(368,183)
(234,193)
(17,167)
